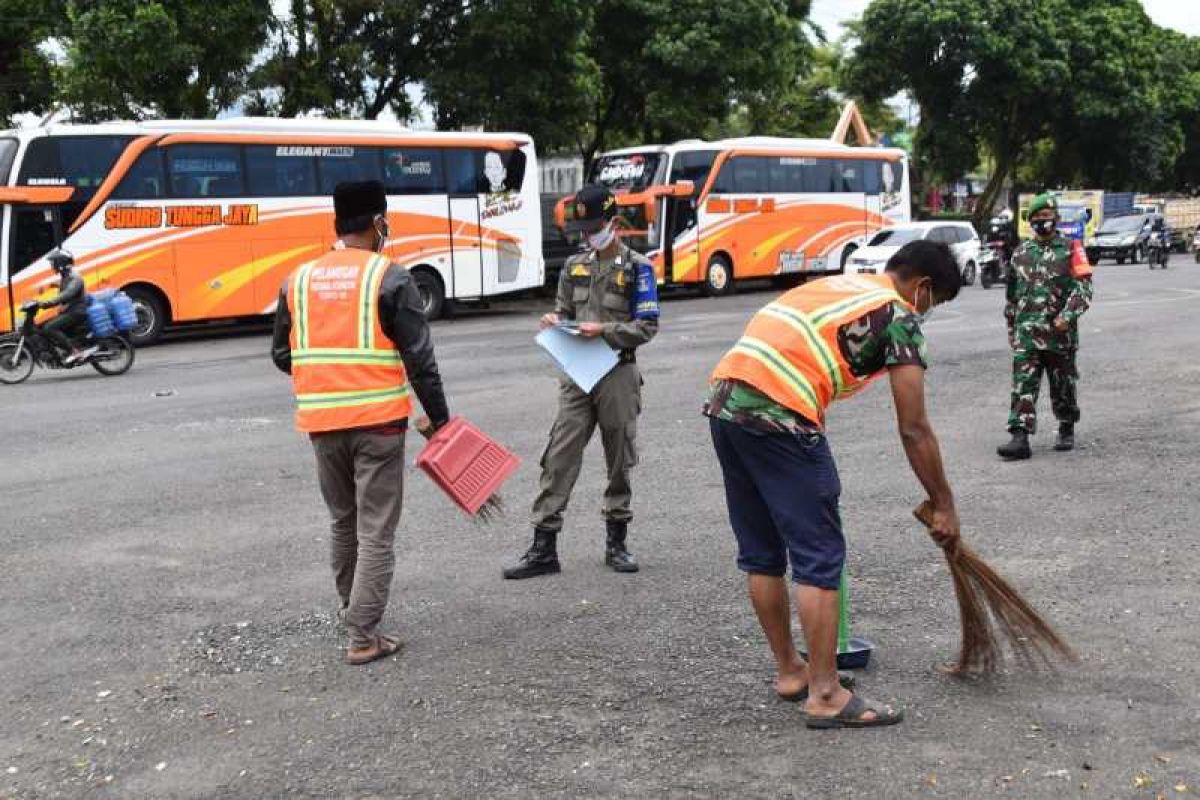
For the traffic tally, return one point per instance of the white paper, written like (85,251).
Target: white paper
(585,361)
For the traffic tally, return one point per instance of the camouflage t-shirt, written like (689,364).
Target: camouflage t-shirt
(889,336)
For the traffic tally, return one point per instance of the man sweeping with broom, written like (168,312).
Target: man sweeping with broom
(822,341)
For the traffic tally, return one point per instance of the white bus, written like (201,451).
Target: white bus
(711,212)
(203,220)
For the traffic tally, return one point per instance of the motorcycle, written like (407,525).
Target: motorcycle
(1158,249)
(1196,244)
(993,264)
(29,346)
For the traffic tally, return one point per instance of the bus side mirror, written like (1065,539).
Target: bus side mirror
(683,189)
(1088,213)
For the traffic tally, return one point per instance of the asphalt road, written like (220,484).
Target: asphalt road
(167,628)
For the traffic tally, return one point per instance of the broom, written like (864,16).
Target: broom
(493,508)
(986,601)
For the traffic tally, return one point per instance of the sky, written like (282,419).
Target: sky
(1182,15)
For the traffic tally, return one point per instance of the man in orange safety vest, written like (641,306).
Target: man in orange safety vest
(351,331)
(820,342)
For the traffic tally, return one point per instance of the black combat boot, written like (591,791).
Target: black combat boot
(540,559)
(615,554)
(1017,448)
(1066,437)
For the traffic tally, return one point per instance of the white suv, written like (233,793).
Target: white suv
(960,236)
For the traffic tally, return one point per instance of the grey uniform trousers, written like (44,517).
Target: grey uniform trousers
(361,475)
(614,405)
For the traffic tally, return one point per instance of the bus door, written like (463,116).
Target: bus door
(35,231)
(466,243)
(872,197)
(505,219)
(681,220)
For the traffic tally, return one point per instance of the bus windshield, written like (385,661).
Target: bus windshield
(631,172)
(8,151)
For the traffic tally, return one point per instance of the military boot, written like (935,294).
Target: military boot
(1017,448)
(540,559)
(615,554)
(1066,436)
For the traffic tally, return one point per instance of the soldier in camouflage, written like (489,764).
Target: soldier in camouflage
(1046,296)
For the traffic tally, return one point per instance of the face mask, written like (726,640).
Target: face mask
(600,240)
(1043,227)
(381,235)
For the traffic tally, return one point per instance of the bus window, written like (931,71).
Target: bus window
(463,171)
(82,162)
(750,175)
(503,171)
(205,170)
(693,166)
(850,178)
(410,170)
(272,171)
(345,164)
(144,181)
(35,235)
(785,175)
(818,175)
(8,152)
(872,176)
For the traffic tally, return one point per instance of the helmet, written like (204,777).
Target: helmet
(60,260)
(1043,201)
(590,209)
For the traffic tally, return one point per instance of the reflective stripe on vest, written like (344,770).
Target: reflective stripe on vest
(790,352)
(345,370)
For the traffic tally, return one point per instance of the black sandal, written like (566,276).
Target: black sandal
(851,716)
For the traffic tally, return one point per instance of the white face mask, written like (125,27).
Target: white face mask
(601,239)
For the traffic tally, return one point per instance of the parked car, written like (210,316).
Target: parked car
(960,236)
(1122,238)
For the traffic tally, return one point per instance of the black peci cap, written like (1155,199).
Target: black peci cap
(355,205)
(589,210)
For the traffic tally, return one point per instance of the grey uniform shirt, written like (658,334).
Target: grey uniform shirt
(620,292)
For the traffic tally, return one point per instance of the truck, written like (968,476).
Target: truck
(1181,213)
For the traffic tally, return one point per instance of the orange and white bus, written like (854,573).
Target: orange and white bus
(204,220)
(711,212)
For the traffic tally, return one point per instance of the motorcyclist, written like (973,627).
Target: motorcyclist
(72,297)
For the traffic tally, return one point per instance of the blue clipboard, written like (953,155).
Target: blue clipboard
(585,361)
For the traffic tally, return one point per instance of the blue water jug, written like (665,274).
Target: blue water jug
(99,320)
(123,313)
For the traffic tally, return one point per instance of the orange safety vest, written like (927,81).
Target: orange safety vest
(345,370)
(790,352)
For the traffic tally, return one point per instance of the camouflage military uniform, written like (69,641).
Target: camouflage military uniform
(620,292)
(1042,287)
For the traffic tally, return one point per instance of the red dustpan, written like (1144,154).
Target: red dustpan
(465,464)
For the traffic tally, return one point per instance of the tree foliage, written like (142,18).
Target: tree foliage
(26,71)
(170,58)
(618,71)
(351,58)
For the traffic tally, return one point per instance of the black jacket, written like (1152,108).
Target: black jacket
(71,295)
(403,320)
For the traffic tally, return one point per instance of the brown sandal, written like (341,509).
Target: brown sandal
(384,646)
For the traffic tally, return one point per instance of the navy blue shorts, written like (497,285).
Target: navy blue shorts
(782,491)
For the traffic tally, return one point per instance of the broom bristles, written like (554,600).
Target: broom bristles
(987,602)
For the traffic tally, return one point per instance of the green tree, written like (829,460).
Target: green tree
(518,65)
(351,58)
(618,71)
(169,58)
(26,71)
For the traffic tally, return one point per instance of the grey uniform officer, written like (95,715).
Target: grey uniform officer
(611,292)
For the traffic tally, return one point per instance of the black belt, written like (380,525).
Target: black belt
(626,357)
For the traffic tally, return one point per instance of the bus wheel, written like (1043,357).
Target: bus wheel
(152,315)
(433,296)
(718,279)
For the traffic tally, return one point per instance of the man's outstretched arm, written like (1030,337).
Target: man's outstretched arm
(921,447)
